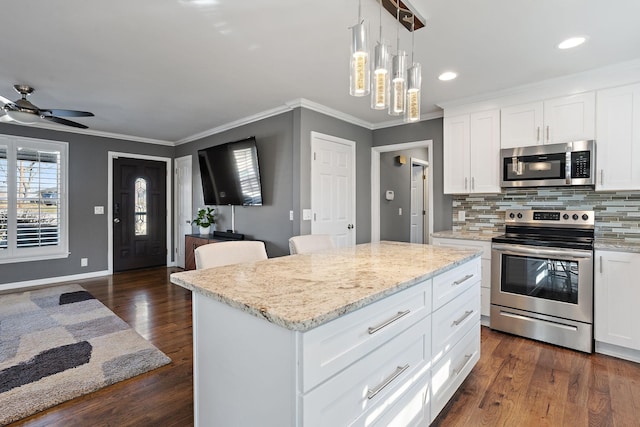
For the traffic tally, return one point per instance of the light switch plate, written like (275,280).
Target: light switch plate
(98,210)
(306,214)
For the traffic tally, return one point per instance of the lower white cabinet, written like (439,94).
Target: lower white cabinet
(485,246)
(449,373)
(371,367)
(617,293)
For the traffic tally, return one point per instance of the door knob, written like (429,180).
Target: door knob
(116,220)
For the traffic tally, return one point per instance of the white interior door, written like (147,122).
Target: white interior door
(333,183)
(183,191)
(418,211)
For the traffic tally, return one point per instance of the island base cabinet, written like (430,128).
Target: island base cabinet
(449,373)
(243,371)
(365,391)
(251,372)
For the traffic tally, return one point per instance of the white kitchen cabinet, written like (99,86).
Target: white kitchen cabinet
(618,139)
(564,119)
(617,293)
(485,285)
(472,153)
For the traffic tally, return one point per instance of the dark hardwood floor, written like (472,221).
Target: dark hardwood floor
(517,382)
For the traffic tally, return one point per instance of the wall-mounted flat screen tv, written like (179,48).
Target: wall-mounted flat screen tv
(230,174)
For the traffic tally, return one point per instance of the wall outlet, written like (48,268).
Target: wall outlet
(84,262)
(306,214)
(461,215)
(98,210)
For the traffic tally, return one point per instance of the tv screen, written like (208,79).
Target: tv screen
(230,174)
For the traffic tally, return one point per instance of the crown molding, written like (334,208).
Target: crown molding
(234,124)
(97,133)
(319,108)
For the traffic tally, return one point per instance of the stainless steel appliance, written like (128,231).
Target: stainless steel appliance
(542,277)
(571,163)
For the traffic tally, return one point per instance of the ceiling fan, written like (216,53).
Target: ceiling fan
(23,111)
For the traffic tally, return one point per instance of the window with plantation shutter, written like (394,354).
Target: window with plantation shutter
(33,205)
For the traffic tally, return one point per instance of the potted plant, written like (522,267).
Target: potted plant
(205,219)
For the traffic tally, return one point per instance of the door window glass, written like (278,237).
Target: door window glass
(141,207)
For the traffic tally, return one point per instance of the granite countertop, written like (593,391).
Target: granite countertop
(300,292)
(485,236)
(618,245)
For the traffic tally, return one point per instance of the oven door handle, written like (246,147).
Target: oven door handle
(534,250)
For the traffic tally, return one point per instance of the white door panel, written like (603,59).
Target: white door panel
(183,205)
(333,188)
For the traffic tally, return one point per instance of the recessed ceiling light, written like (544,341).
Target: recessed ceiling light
(448,75)
(572,42)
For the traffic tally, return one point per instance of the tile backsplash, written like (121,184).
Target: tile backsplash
(617,213)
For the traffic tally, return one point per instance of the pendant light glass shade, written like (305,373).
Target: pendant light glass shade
(414,81)
(380,82)
(398,83)
(359,64)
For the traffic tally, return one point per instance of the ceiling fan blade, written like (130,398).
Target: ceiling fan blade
(5,101)
(64,122)
(65,113)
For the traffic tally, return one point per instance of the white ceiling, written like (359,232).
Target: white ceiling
(170,69)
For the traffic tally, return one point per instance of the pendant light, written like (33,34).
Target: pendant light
(359,63)
(414,81)
(380,83)
(398,75)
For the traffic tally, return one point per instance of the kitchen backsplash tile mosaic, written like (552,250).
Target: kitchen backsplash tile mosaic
(617,213)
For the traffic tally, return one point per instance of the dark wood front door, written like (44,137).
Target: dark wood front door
(139,214)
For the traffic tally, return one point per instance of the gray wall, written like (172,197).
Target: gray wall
(425,130)
(269,222)
(397,178)
(88,163)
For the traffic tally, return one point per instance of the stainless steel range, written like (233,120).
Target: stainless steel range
(542,277)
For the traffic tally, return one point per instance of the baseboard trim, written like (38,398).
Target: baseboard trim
(617,351)
(51,280)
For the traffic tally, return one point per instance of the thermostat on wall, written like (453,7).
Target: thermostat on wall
(389,195)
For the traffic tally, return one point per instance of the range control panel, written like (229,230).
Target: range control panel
(544,218)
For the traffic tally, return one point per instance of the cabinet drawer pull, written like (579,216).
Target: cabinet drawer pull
(401,314)
(467,357)
(399,370)
(464,279)
(461,319)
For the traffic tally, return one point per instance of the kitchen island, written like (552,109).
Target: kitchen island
(375,334)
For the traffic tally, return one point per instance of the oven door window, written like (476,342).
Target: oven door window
(549,279)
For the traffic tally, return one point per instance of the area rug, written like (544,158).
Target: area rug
(60,343)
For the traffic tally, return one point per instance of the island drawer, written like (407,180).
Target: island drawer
(450,284)
(451,370)
(375,382)
(453,320)
(330,348)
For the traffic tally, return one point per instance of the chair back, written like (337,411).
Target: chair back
(227,253)
(309,243)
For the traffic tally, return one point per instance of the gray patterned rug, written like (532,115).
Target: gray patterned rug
(59,343)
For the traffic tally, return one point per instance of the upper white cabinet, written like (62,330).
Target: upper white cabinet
(569,118)
(617,292)
(472,153)
(618,139)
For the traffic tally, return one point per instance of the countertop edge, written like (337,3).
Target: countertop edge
(308,324)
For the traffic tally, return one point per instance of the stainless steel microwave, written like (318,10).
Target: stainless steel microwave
(551,165)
